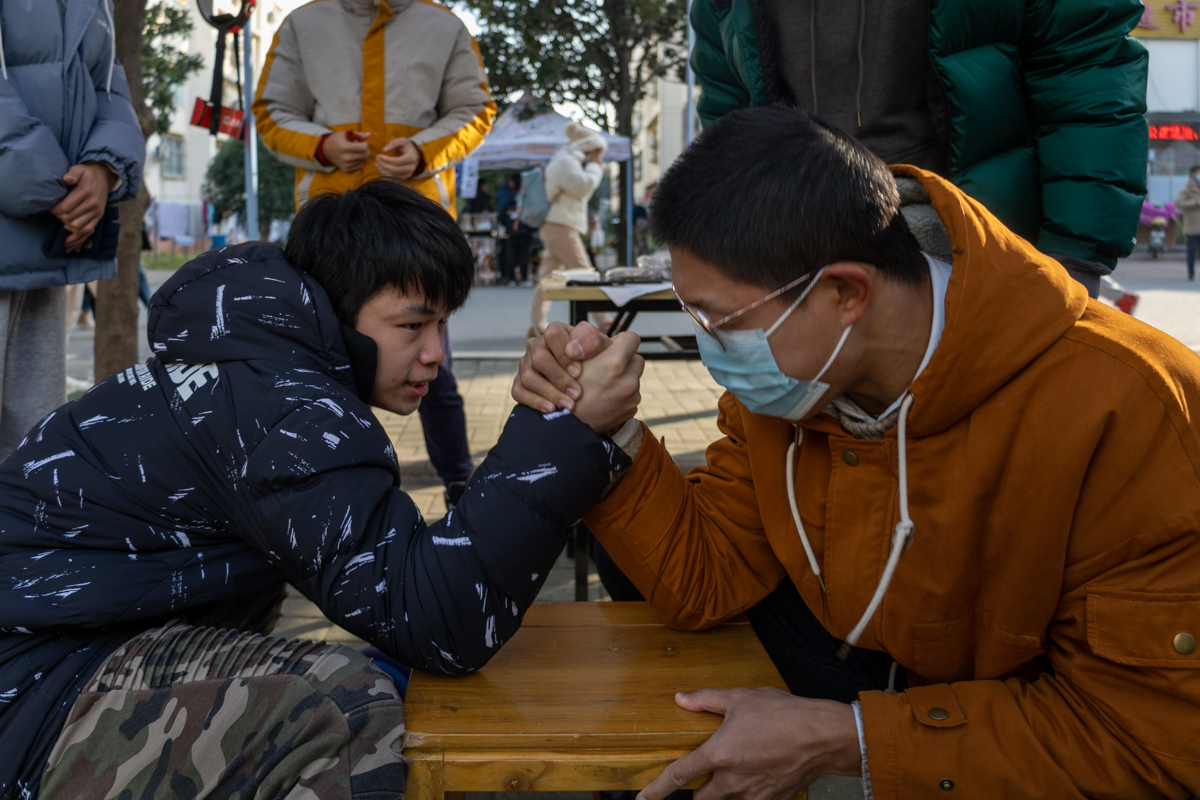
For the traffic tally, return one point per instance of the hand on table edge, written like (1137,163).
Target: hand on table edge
(770,745)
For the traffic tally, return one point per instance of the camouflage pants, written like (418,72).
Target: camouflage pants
(192,712)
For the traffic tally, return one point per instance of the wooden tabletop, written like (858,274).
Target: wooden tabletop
(587,675)
(555,288)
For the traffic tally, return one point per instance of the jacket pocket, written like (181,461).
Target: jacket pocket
(1145,629)
(972,647)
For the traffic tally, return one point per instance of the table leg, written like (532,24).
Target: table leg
(583,540)
(579,312)
(426,777)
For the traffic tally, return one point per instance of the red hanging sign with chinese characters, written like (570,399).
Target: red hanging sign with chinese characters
(1178,132)
(232,121)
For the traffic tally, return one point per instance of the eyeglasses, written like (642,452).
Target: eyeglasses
(710,327)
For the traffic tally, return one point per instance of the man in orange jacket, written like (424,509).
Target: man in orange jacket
(958,499)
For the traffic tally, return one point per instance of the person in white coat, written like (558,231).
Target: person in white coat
(571,178)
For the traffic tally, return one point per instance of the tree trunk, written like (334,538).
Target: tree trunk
(116,345)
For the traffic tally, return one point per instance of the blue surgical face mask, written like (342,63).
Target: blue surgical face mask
(747,368)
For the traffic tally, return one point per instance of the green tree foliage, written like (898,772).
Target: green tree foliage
(225,184)
(164,64)
(598,54)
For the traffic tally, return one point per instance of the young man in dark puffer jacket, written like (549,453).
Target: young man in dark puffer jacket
(244,455)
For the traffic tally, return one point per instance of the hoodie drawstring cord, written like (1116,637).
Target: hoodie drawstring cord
(112,38)
(791,487)
(3,66)
(901,538)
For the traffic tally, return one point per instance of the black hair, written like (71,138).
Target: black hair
(516,179)
(381,234)
(769,194)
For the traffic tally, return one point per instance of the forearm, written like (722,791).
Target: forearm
(465,110)
(694,550)
(453,138)
(284,106)
(116,138)
(31,160)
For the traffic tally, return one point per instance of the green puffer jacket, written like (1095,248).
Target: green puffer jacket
(1040,108)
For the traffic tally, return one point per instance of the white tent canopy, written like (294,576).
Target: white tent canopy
(516,143)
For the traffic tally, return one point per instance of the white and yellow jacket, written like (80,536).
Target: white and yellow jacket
(388,67)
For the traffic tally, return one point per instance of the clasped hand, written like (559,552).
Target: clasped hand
(84,204)
(597,378)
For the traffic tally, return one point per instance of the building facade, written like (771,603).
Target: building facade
(659,135)
(1170,30)
(177,161)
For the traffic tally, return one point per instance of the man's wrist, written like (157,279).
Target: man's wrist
(321,159)
(110,172)
(629,437)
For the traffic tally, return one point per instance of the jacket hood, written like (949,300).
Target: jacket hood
(1006,304)
(582,139)
(247,303)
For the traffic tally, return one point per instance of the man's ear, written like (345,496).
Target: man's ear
(855,285)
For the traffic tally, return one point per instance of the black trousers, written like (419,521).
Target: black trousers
(445,424)
(802,650)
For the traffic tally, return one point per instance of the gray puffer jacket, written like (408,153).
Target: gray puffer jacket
(63,101)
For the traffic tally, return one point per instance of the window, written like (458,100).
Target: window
(652,141)
(171,154)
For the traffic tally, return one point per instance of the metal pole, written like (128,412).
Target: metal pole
(689,123)
(251,142)
(628,202)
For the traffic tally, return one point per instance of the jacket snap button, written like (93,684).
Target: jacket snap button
(946,785)
(938,713)
(1184,644)
(850,458)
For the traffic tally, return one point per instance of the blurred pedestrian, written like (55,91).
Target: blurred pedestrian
(506,208)
(571,178)
(1188,204)
(481,203)
(70,148)
(358,89)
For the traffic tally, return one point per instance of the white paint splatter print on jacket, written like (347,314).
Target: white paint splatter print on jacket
(241,456)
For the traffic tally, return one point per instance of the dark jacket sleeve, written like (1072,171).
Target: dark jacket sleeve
(322,503)
(1085,79)
(31,160)
(726,59)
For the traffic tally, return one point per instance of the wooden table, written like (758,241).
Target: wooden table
(586,300)
(582,698)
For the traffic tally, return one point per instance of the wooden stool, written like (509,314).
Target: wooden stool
(582,698)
